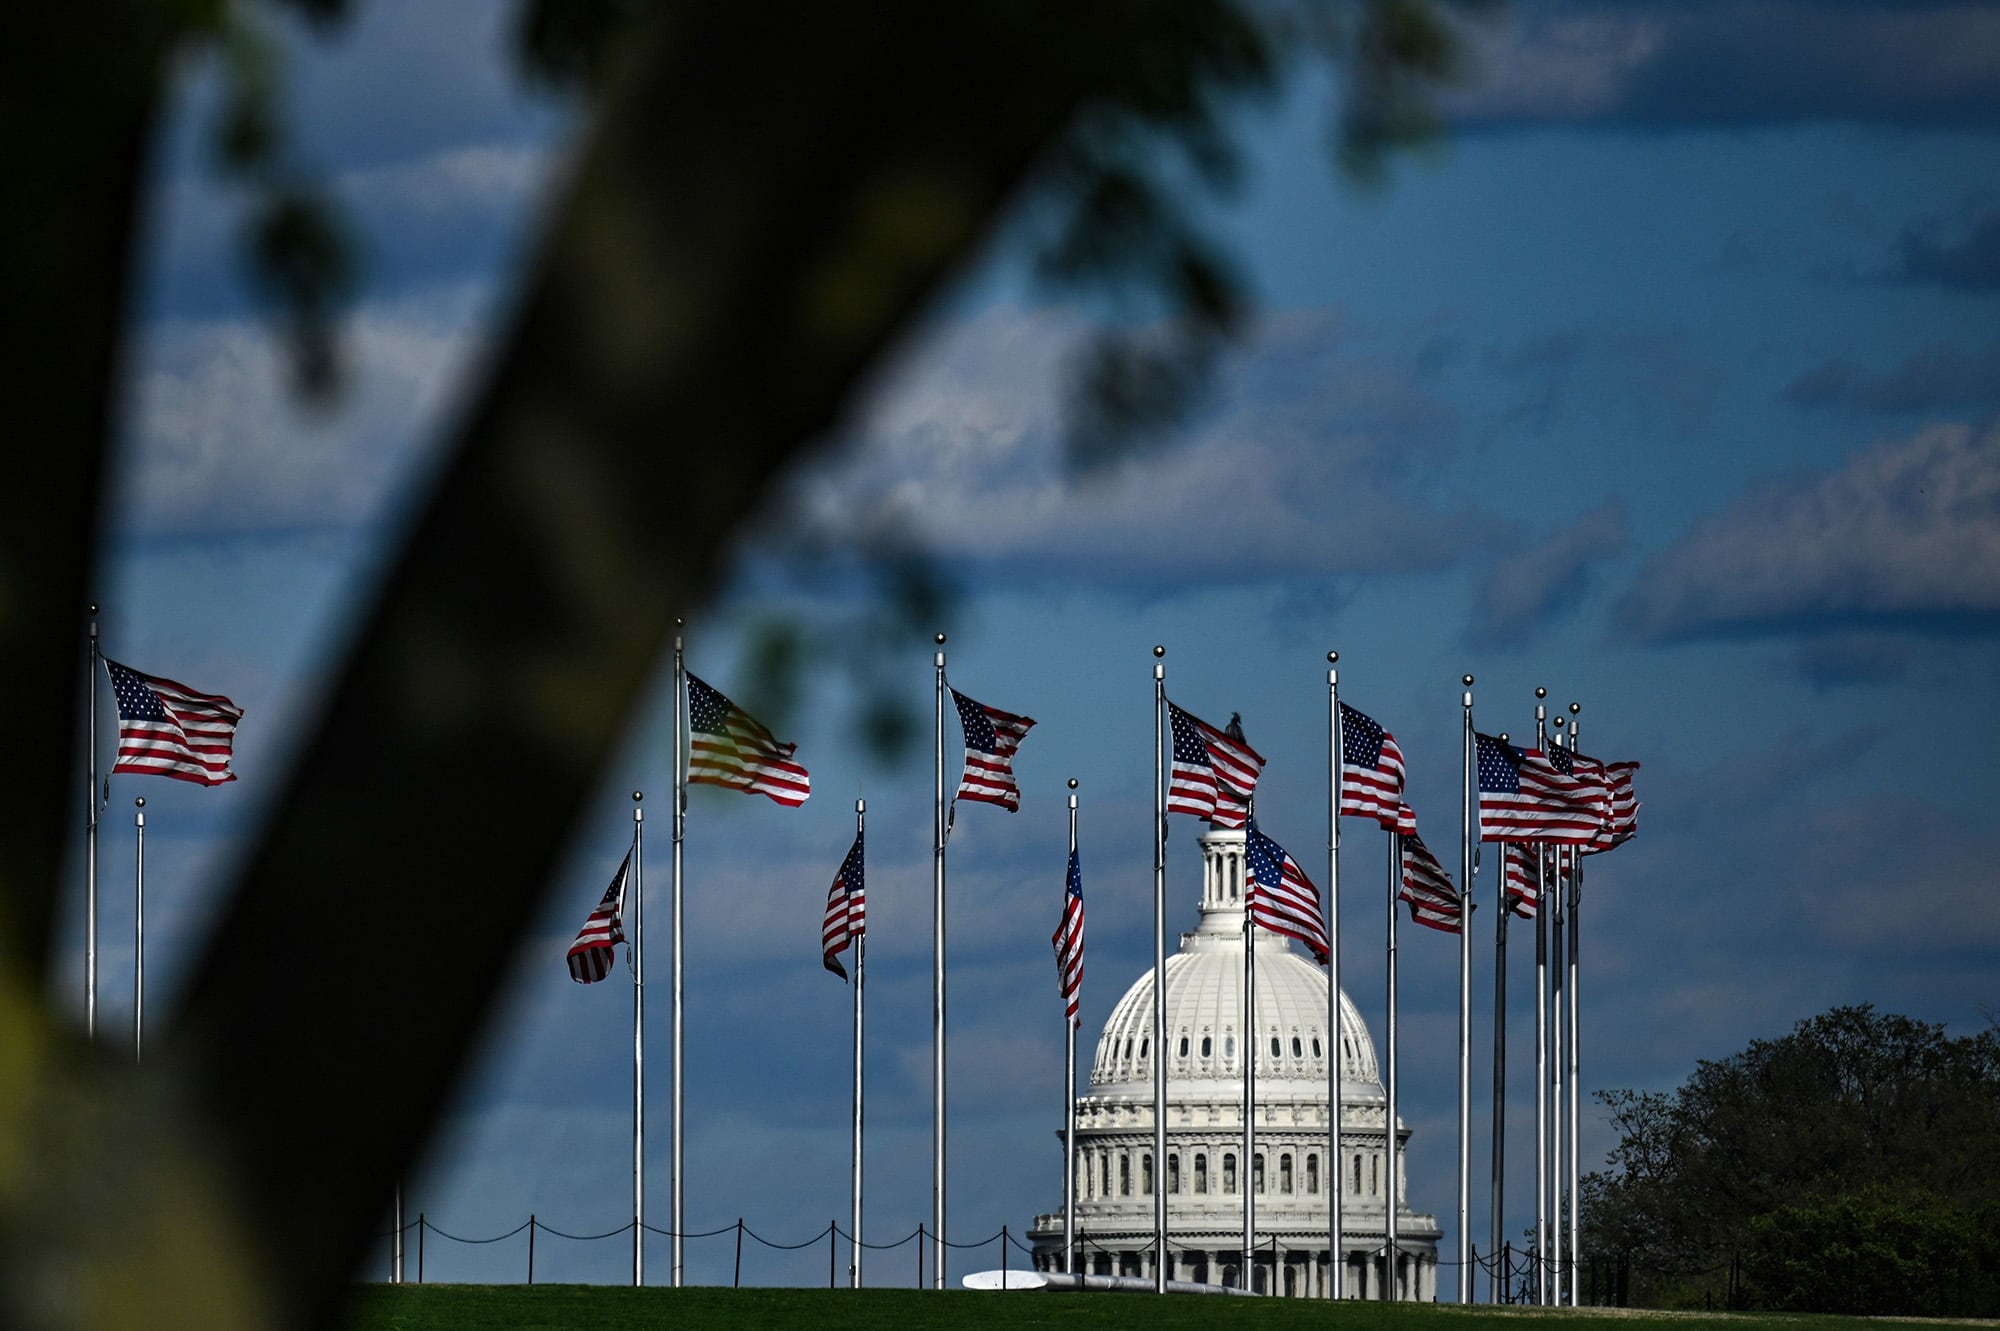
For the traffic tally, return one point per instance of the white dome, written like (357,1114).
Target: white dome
(1204,999)
(1212,1164)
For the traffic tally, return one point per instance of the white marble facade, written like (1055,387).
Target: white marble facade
(1204,1172)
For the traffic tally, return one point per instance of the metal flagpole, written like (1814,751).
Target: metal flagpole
(1496,1276)
(1465,809)
(90,838)
(1247,1177)
(677,1106)
(1160,970)
(396,1230)
(1575,1032)
(860,980)
(1391,1205)
(937,980)
(636,885)
(1541,1037)
(1069,1087)
(139,941)
(1336,1268)
(1558,993)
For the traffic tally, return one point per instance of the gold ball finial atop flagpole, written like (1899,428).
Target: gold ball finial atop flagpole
(1468,681)
(940,639)
(1575,707)
(1332,658)
(1541,693)
(1559,722)
(1506,738)
(638,795)
(140,802)
(1072,783)
(1159,650)
(93,607)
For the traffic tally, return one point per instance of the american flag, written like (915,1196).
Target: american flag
(1371,769)
(991,736)
(726,747)
(1213,773)
(168,729)
(846,909)
(591,955)
(1518,875)
(1282,898)
(1623,824)
(1434,901)
(1068,940)
(1529,795)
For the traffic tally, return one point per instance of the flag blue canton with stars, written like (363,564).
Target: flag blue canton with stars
(1360,738)
(1499,766)
(979,733)
(1189,751)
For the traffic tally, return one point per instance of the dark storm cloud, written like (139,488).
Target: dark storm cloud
(1712,62)
(1528,592)
(1904,536)
(1967,257)
(1660,376)
(1936,379)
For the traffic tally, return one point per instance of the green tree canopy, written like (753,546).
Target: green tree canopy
(1850,1166)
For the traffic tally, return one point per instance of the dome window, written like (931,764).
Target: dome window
(1297,1050)
(1316,1049)
(1145,1046)
(1128,1046)
(1277,1050)
(1207,1046)
(1312,1174)
(1184,1046)
(1229,1171)
(1201,1172)
(1229,1046)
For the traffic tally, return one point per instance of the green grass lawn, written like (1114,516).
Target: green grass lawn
(609,1308)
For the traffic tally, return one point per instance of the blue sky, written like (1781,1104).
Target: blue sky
(1668,382)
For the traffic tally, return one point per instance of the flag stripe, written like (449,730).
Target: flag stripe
(1282,899)
(1371,769)
(727,747)
(1068,941)
(1212,775)
(1434,900)
(1527,795)
(591,955)
(991,738)
(168,729)
(846,908)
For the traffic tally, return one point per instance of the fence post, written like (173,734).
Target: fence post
(737,1281)
(420,1247)
(531,1247)
(1003,1257)
(920,1254)
(832,1249)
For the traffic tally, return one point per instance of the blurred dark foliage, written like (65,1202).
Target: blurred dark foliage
(756,209)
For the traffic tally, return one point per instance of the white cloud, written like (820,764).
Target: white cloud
(1906,532)
(1300,464)
(451,183)
(218,442)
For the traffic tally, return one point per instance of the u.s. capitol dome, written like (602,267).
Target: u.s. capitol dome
(1204,1131)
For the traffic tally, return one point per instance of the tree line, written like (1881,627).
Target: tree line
(1851,1166)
